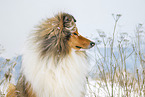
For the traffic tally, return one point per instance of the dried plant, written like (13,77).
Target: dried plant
(112,61)
(6,69)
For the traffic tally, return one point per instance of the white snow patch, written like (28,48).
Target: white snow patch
(96,88)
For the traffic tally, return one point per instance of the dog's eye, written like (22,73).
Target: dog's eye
(75,33)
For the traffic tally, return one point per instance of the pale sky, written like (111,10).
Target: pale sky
(18,18)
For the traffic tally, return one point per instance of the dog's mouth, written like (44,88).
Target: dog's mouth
(78,47)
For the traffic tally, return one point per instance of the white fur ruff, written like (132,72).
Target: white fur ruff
(67,79)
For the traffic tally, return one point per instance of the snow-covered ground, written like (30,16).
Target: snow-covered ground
(3,89)
(96,88)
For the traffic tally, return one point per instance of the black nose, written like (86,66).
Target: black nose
(92,44)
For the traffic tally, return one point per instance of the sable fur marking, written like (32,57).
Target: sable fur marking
(54,35)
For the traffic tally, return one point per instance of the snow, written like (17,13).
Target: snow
(96,88)
(3,88)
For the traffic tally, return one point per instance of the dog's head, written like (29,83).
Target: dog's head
(75,40)
(58,35)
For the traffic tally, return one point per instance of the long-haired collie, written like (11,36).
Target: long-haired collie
(54,64)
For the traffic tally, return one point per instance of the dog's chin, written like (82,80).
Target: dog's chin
(81,50)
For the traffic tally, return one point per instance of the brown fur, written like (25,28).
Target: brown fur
(22,89)
(11,92)
(79,41)
(52,37)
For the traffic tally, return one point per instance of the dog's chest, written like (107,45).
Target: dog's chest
(67,79)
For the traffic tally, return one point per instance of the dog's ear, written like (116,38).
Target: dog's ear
(67,18)
(74,19)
